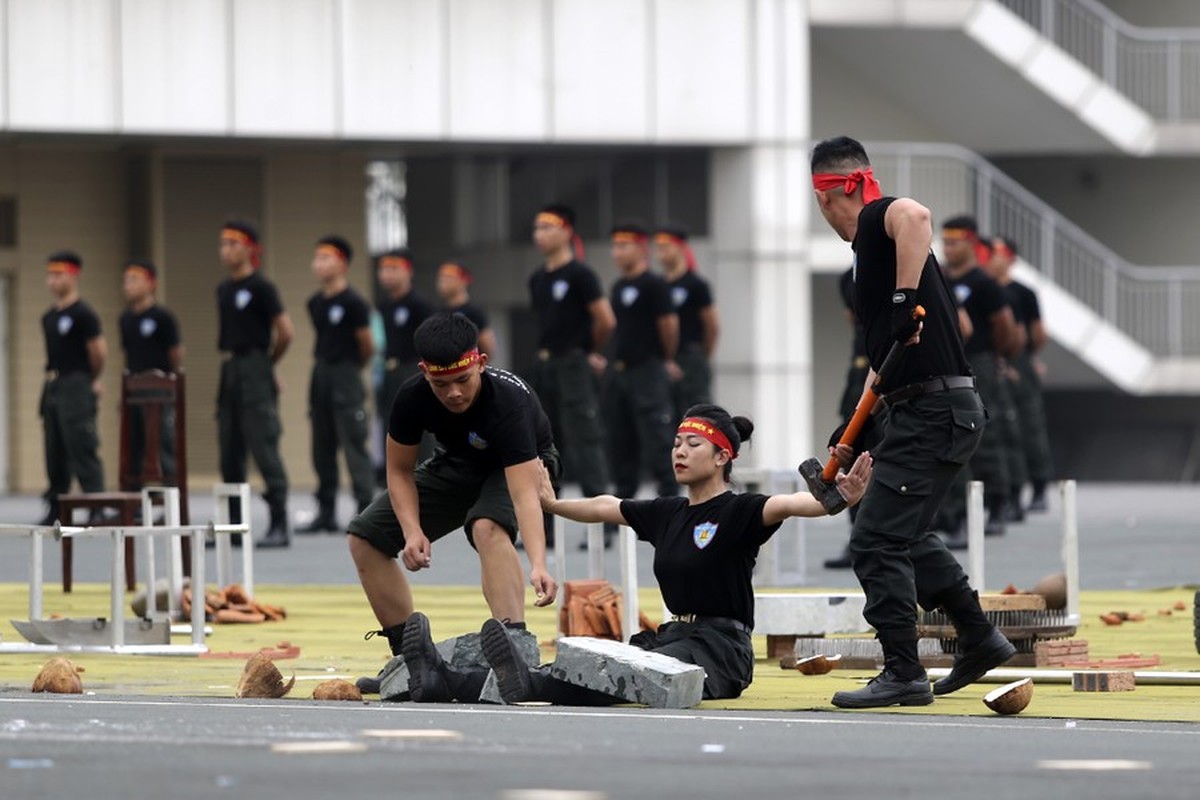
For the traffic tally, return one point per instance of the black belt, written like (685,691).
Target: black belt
(943,383)
(53,374)
(734,623)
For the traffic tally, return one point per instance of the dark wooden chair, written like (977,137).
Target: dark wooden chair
(151,393)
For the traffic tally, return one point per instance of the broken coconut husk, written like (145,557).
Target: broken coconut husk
(261,678)
(336,689)
(59,676)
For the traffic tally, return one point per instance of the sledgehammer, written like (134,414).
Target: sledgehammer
(821,479)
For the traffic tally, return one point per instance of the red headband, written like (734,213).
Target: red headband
(550,218)
(244,238)
(832,180)
(669,238)
(457,270)
(629,237)
(333,251)
(396,261)
(143,270)
(696,426)
(63,266)
(464,362)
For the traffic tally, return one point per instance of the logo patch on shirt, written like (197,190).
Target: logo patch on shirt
(64,325)
(704,533)
(400,317)
(147,327)
(242,299)
(962,292)
(476,441)
(558,290)
(336,313)
(679,296)
(629,295)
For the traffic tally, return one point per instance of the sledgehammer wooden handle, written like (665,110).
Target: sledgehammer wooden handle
(870,396)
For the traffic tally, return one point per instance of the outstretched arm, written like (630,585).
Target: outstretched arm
(601,508)
(851,484)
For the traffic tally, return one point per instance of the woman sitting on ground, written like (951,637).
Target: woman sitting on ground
(705,546)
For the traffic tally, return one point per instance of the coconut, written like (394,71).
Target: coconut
(1054,589)
(817,665)
(336,689)
(1010,698)
(261,678)
(59,676)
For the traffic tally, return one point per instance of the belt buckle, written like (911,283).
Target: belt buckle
(391,363)
(543,355)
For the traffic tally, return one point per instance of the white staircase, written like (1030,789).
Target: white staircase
(1133,89)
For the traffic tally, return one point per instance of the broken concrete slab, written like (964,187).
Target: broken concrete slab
(628,672)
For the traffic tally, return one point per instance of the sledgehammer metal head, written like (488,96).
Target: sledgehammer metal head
(827,493)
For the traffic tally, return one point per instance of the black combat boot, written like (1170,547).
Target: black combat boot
(395,637)
(277,534)
(513,676)
(980,646)
(903,681)
(324,522)
(1038,501)
(430,678)
(52,512)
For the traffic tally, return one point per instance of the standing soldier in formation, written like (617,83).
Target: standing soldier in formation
(255,332)
(75,354)
(402,310)
(1027,383)
(993,330)
(150,339)
(638,411)
(336,397)
(691,371)
(575,323)
(453,282)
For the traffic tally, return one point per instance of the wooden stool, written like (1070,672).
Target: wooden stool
(126,504)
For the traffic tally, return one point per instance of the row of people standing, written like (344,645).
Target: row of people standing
(616,373)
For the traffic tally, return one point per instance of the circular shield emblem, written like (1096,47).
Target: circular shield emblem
(242,299)
(147,327)
(629,296)
(558,290)
(336,313)
(400,317)
(679,296)
(64,325)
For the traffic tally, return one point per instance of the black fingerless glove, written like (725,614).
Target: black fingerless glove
(904,322)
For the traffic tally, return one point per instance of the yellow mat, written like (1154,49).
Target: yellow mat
(328,623)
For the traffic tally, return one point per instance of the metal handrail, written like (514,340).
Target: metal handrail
(1158,307)
(1156,68)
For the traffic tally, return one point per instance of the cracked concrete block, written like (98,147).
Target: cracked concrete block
(628,672)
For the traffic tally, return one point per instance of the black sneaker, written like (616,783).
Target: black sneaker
(512,673)
(426,681)
(973,664)
(885,690)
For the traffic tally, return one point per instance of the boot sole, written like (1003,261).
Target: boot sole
(996,658)
(512,674)
(909,700)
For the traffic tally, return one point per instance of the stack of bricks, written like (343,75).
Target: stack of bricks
(1058,652)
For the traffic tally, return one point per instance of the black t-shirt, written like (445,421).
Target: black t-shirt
(147,338)
(690,294)
(940,350)
(401,318)
(473,313)
(1025,308)
(504,426)
(248,308)
(981,297)
(638,302)
(846,288)
(67,332)
(337,321)
(704,554)
(561,298)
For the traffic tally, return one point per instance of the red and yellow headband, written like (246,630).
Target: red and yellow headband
(396,261)
(237,236)
(464,363)
(456,270)
(628,237)
(958,233)
(145,273)
(329,249)
(63,266)
(696,426)
(550,218)
(866,177)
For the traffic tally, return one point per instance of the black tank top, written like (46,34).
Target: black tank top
(940,350)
